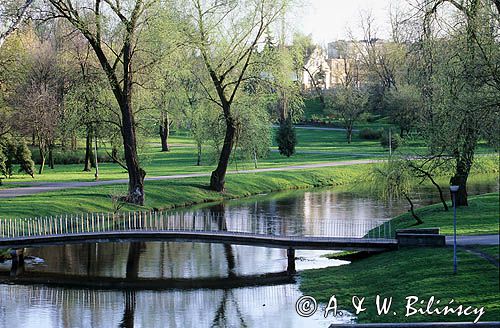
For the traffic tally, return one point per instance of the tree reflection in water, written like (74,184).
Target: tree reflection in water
(129,311)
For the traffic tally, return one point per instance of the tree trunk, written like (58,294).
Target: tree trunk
(441,196)
(42,159)
(218,176)
(198,161)
(51,156)
(164,132)
(135,173)
(114,153)
(63,142)
(349,134)
(88,150)
(228,252)
(129,311)
(73,141)
(460,180)
(412,210)
(133,260)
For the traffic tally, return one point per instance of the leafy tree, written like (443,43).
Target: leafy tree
(283,94)
(39,115)
(405,106)
(460,83)
(12,14)
(348,103)
(393,180)
(253,132)
(11,153)
(227,35)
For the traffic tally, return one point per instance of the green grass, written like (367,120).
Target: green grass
(328,146)
(422,272)
(314,146)
(480,217)
(493,250)
(167,194)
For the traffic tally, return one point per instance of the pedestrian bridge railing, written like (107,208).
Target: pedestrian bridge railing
(203,222)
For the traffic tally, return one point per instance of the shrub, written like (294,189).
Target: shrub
(370,134)
(286,138)
(71,156)
(395,140)
(367,117)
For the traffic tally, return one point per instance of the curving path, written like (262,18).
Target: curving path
(474,240)
(31,188)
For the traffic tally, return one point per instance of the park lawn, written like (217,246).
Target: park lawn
(480,217)
(314,146)
(165,194)
(422,272)
(328,146)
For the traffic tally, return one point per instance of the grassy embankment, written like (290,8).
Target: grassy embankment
(166,194)
(423,272)
(480,217)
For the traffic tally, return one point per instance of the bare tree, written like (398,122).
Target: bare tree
(13,13)
(36,99)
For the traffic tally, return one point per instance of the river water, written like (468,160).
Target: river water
(174,284)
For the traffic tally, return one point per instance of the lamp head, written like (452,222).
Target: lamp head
(454,188)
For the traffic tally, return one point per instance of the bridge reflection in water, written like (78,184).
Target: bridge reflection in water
(57,307)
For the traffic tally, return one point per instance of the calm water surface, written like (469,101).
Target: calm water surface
(187,284)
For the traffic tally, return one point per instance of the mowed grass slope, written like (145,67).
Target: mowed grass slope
(421,272)
(167,194)
(480,217)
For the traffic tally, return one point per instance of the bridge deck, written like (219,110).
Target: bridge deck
(236,238)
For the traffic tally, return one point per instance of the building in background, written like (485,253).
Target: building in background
(339,64)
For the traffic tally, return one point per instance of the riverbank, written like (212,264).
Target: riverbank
(172,193)
(480,217)
(167,194)
(421,272)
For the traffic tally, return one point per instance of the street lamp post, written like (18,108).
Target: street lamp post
(454,190)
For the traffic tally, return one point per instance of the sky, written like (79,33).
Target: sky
(328,20)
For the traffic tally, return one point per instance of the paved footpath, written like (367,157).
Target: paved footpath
(31,188)
(474,240)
